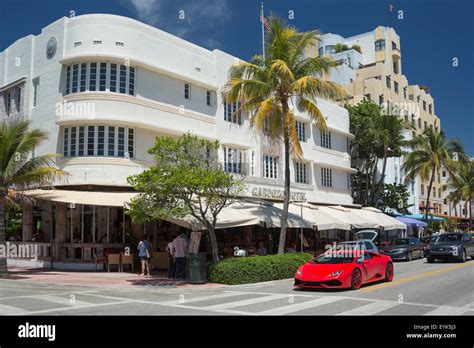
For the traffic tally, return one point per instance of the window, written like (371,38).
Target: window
(367,97)
(430,108)
(123,79)
(348,178)
(232,160)
(406,118)
(90,140)
(419,122)
(395,86)
(35,91)
(131,81)
(113,78)
(439,192)
(425,125)
(231,114)
(121,142)
(413,120)
(424,105)
(380,100)
(130,142)
(83,81)
(100,140)
(66,142)
(379,45)
(103,77)
(405,92)
(270,167)
(326,177)
(444,173)
(301,130)
(410,97)
(422,189)
(75,74)
(395,67)
(187,91)
(80,150)
(325,138)
(320,51)
(68,80)
(348,146)
(111,141)
(300,170)
(73,141)
(434,192)
(208,98)
(394,46)
(93,77)
(330,49)
(389,81)
(18,100)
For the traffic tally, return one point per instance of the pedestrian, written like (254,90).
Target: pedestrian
(169,250)
(180,251)
(144,255)
(261,251)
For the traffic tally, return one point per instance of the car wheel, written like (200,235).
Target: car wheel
(430,259)
(463,256)
(409,256)
(389,272)
(356,279)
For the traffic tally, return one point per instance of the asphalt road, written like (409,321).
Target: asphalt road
(418,288)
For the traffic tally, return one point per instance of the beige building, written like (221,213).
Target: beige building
(370,67)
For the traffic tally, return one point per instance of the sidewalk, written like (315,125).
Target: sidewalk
(99,278)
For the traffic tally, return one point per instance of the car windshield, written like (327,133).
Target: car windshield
(403,241)
(333,259)
(449,238)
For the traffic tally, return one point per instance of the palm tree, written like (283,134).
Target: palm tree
(432,151)
(454,198)
(19,168)
(463,184)
(268,89)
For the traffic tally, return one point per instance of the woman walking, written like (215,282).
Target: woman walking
(144,255)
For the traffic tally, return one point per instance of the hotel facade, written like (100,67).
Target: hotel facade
(104,86)
(375,73)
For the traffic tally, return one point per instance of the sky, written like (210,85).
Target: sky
(432,34)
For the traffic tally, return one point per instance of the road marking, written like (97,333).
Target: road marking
(244,302)
(415,277)
(371,308)
(447,310)
(9,310)
(61,300)
(92,305)
(52,294)
(300,306)
(185,300)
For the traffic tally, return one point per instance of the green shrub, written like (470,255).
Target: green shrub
(246,270)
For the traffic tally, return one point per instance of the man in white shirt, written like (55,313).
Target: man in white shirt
(180,251)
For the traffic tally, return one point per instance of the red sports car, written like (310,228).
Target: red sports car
(346,270)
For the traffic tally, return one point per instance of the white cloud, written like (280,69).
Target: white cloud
(201,17)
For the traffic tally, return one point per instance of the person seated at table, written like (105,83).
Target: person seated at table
(261,251)
(291,248)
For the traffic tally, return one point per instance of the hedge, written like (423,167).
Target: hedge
(245,270)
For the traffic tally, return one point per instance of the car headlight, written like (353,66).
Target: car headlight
(334,274)
(299,272)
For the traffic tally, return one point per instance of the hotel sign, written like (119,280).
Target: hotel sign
(277,194)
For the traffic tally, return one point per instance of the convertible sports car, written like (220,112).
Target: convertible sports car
(347,270)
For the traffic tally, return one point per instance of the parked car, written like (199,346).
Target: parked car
(362,244)
(427,240)
(404,249)
(457,246)
(349,270)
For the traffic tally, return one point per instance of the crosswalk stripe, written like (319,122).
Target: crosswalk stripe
(9,310)
(201,298)
(61,300)
(370,309)
(447,310)
(91,305)
(244,302)
(300,306)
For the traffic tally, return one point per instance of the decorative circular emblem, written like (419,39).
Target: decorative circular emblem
(51,47)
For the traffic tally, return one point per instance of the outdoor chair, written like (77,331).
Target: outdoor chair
(113,259)
(128,260)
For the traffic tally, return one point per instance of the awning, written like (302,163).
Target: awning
(107,199)
(346,215)
(385,221)
(412,222)
(319,219)
(422,217)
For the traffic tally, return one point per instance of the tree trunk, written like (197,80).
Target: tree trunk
(382,177)
(286,201)
(373,183)
(433,171)
(3,260)
(212,237)
(366,198)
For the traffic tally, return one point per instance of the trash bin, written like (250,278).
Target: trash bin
(197,268)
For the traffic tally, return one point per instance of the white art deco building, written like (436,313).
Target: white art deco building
(105,86)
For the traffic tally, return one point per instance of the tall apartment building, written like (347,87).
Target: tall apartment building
(375,73)
(105,86)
